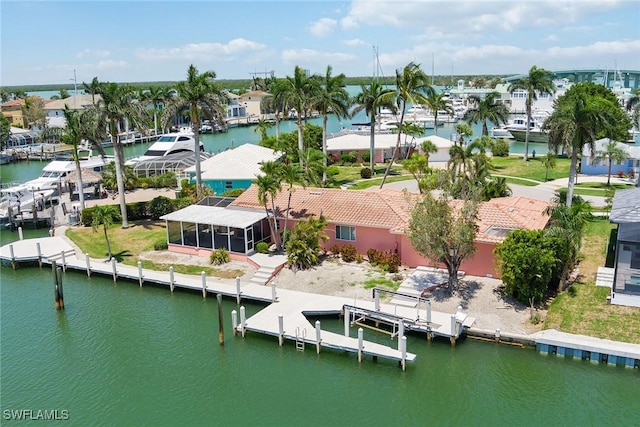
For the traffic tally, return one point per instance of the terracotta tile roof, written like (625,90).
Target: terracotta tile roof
(13,102)
(390,209)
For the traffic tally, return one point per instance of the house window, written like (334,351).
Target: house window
(344,232)
(228,185)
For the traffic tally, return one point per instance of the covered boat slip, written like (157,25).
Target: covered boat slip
(215,227)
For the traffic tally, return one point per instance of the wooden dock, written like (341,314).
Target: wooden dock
(285,316)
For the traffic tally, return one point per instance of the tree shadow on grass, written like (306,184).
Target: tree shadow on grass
(120,256)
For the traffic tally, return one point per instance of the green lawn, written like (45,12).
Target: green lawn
(361,185)
(128,244)
(533,169)
(584,309)
(525,182)
(352,173)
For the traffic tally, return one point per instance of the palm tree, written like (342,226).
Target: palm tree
(298,93)
(611,152)
(538,81)
(79,125)
(290,174)
(203,98)
(276,101)
(633,105)
(577,118)
(262,127)
(104,215)
(92,88)
(487,110)
(412,86)
(268,187)
(331,97)
(117,106)
(438,102)
(156,96)
(549,162)
(370,99)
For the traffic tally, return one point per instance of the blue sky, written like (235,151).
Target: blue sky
(129,41)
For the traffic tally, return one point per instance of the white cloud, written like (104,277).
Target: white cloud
(354,42)
(111,64)
(323,27)
(93,53)
(315,60)
(201,51)
(551,38)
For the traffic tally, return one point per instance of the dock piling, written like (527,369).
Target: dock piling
(203,276)
(64,261)
(497,335)
(360,344)
(20,235)
(234,322)
(220,320)
(243,320)
(346,322)
(13,257)
(400,334)
(140,277)
(318,339)
(428,311)
(452,338)
(39,254)
(238,290)
(113,268)
(273,291)
(403,351)
(57,285)
(376,298)
(171,278)
(280,329)
(88,260)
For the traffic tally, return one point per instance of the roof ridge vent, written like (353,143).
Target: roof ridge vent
(315,192)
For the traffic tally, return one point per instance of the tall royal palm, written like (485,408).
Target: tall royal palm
(538,81)
(92,88)
(203,98)
(437,103)
(332,97)
(412,87)
(119,106)
(156,96)
(370,99)
(487,110)
(299,92)
(276,102)
(576,120)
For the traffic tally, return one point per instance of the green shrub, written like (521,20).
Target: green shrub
(347,159)
(365,156)
(335,250)
(219,257)
(160,245)
(262,248)
(160,206)
(182,203)
(348,253)
(365,173)
(359,258)
(137,211)
(500,148)
(388,261)
(87,217)
(333,170)
(233,193)
(373,255)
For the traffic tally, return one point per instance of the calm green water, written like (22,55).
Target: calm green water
(121,355)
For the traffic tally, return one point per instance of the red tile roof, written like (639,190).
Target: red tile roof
(389,209)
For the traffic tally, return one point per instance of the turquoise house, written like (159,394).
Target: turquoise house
(234,168)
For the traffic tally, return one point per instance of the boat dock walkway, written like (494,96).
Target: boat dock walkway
(283,317)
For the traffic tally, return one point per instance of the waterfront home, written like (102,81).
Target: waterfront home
(631,164)
(235,168)
(348,142)
(252,100)
(364,219)
(55,109)
(625,212)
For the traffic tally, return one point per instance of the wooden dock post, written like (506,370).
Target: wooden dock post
(360,344)
(20,235)
(497,335)
(400,334)
(429,333)
(238,290)
(403,351)
(273,291)
(243,320)
(113,268)
(140,276)
(171,278)
(346,322)
(88,260)
(39,254)
(452,338)
(57,285)
(318,339)
(234,322)
(13,257)
(64,260)
(220,320)
(376,299)
(280,329)
(203,276)
(428,311)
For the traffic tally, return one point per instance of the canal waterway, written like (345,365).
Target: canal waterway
(124,355)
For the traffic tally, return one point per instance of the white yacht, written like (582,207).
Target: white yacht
(22,198)
(166,144)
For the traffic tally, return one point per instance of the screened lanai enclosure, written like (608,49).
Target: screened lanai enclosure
(176,162)
(213,224)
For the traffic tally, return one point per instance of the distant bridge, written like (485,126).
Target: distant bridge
(628,78)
